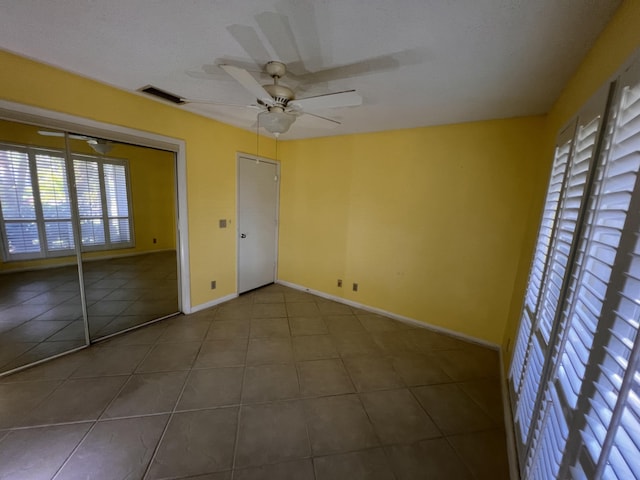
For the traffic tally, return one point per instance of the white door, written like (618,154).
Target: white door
(257,223)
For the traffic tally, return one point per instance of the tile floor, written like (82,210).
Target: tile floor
(41,312)
(277,384)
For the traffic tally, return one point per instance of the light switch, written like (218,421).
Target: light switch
(223,223)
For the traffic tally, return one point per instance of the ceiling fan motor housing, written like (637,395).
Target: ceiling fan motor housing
(281,95)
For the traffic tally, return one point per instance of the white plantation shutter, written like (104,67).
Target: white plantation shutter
(21,231)
(536,275)
(36,205)
(117,197)
(610,431)
(55,202)
(567,196)
(581,408)
(103,203)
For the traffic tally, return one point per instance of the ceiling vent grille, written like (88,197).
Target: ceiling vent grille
(156,92)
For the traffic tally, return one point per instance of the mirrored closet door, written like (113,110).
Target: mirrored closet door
(40,298)
(126,202)
(111,205)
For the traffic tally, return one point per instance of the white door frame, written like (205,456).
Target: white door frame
(49,118)
(249,156)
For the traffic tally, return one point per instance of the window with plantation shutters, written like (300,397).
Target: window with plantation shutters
(37,207)
(581,411)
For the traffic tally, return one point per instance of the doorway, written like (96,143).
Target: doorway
(258,196)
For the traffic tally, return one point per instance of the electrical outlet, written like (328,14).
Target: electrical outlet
(155,240)
(339,282)
(213,285)
(355,287)
(223,223)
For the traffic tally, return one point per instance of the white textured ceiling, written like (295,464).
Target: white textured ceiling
(415,62)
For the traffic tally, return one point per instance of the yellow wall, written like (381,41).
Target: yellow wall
(152,190)
(619,40)
(210,152)
(427,221)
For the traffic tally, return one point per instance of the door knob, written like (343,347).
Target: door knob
(243,235)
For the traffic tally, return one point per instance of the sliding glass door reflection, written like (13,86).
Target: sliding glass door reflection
(40,304)
(126,205)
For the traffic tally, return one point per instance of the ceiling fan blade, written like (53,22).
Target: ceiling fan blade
(381,63)
(220,104)
(331,120)
(248,39)
(49,133)
(348,98)
(245,79)
(276,28)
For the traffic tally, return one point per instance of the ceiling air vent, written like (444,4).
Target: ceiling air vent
(156,92)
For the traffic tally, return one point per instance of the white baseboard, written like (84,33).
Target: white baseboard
(512,454)
(395,316)
(213,303)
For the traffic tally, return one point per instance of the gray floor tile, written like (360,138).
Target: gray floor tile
(488,394)
(18,400)
(147,393)
(37,453)
(397,417)
(364,465)
(268,297)
(271,433)
(376,323)
(451,409)
(339,324)
(425,341)
(57,369)
(77,400)
(222,353)
(212,387)
(484,453)
(224,329)
(115,449)
(234,311)
(372,373)
(292,470)
(269,350)
(307,326)
(295,296)
(269,327)
(338,424)
(355,344)
(314,347)
(268,310)
(118,360)
(184,329)
(302,309)
(196,443)
(142,336)
(264,383)
(430,459)
(324,377)
(328,307)
(419,369)
(469,363)
(168,357)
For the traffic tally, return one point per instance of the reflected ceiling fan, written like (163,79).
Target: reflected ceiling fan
(99,145)
(278,104)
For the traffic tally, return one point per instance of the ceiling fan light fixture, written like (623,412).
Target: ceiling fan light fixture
(276,122)
(100,145)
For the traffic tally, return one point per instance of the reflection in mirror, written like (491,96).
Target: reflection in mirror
(126,205)
(40,304)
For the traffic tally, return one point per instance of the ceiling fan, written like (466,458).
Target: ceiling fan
(278,104)
(99,145)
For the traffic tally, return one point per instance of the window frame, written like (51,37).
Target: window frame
(45,252)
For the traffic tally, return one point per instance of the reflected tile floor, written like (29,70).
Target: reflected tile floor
(41,312)
(276,384)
